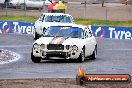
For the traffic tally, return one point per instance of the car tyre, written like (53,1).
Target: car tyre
(35,59)
(81,57)
(36,36)
(94,55)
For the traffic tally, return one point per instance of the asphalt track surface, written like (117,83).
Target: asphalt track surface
(114,56)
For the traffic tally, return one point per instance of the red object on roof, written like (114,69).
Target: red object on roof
(54,3)
(50,7)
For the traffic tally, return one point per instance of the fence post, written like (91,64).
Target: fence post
(24,8)
(126,2)
(6,8)
(106,13)
(102,3)
(129,15)
(85,6)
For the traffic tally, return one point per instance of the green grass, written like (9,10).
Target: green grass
(102,22)
(19,18)
(77,20)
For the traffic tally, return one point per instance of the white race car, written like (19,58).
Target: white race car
(65,42)
(49,19)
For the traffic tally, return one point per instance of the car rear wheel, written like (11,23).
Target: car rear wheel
(35,35)
(35,59)
(94,55)
(81,57)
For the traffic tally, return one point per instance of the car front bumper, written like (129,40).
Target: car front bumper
(56,53)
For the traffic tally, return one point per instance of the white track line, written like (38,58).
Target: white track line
(17,57)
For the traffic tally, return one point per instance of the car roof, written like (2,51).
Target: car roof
(70,24)
(79,26)
(56,14)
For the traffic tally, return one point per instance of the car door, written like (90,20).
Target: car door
(89,43)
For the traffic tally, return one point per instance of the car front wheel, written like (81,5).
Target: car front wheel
(81,57)
(35,59)
(35,35)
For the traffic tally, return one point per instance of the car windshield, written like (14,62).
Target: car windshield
(55,31)
(61,18)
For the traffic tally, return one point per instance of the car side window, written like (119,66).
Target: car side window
(87,33)
(71,19)
(41,17)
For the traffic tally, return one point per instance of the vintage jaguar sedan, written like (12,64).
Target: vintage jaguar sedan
(65,42)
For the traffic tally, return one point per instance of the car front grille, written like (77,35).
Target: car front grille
(56,54)
(55,47)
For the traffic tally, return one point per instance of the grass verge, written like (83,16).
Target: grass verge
(77,20)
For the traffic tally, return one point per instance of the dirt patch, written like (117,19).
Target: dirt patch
(55,83)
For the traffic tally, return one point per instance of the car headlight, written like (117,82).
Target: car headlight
(35,46)
(74,48)
(42,46)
